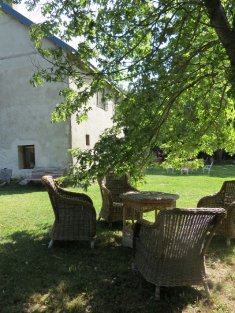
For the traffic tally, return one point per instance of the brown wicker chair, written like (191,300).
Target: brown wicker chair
(75,216)
(225,198)
(170,252)
(111,188)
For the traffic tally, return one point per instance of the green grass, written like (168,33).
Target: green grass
(71,277)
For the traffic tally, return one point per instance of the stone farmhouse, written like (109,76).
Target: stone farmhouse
(27,137)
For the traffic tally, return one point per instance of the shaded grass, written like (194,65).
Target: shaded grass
(73,278)
(70,277)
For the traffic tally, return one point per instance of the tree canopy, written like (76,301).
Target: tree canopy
(173,63)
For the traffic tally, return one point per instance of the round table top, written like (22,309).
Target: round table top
(149,196)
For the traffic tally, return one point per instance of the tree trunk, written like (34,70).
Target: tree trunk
(224,30)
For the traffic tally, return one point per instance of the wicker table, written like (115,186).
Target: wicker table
(144,201)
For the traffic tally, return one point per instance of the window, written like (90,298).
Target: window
(88,140)
(26,155)
(101,102)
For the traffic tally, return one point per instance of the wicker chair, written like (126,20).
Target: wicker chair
(75,216)
(225,198)
(111,188)
(170,252)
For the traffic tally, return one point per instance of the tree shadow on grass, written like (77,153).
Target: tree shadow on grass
(71,277)
(218,249)
(15,188)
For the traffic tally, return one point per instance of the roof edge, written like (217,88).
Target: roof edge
(6,8)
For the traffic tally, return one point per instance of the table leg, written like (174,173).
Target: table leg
(126,237)
(124,220)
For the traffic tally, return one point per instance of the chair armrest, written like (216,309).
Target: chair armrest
(145,224)
(146,232)
(118,204)
(131,188)
(212,201)
(141,226)
(231,211)
(72,194)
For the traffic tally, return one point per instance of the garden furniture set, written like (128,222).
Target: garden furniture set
(167,252)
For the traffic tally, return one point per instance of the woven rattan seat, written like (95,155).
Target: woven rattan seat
(170,252)
(75,216)
(225,198)
(111,188)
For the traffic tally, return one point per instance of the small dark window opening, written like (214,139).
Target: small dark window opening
(26,155)
(88,140)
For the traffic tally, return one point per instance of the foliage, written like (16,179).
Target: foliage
(110,154)
(177,59)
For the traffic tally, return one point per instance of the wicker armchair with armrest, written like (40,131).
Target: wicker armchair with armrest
(225,198)
(111,187)
(170,252)
(75,215)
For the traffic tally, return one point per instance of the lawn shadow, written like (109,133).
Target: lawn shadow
(71,277)
(218,249)
(15,188)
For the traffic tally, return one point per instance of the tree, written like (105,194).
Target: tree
(177,59)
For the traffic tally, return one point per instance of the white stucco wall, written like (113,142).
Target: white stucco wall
(25,111)
(98,120)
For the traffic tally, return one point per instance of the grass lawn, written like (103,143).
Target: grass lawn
(70,277)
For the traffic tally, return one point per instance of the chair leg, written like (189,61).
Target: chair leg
(208,295)
(228,242)
(157,293)
(50,243)
(92,244)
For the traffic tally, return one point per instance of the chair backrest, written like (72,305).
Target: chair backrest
(209,166)
(116,186)
(184,232)
(52,190)
(209,161)
(228,191)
